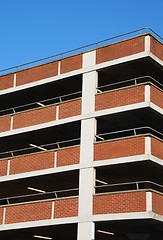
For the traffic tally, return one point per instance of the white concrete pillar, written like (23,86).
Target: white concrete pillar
(86,231)
(88,130)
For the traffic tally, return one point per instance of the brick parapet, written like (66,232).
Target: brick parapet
(40,161)
(157,203)
(120,97)
(39,210)
(117,148)
(119,203)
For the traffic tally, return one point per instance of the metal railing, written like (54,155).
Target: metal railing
(39,196)
(40,148)
(74,95)
(128,132)
(130,82)
(76,141)
(110,188)
(138,185)
(36,104)
(137,32)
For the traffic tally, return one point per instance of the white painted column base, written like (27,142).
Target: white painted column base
(86,231)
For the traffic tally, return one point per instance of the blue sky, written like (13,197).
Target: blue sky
(33,29)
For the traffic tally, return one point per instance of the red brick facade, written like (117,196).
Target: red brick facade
(32,162)
(6,81)
(157,203)
(71,63)
(156,48)
(68,156)
(119,203)
(34,117)
(121,49)
(28,212)
(70,108)
(37,73)
(120,97)
(5,123)
(157,148)
(66,208)
(3,167)
(119,148)
(157,96)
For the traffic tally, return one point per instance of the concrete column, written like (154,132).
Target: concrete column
(88,129)
(86,231)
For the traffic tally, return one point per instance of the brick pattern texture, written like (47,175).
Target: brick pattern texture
(1,215)
(157,203)
(37,73)
(156,48)
(28,212)
(119,148)
(157,97)
(121,49)
(6,81)
(70,108)
(68,156)
(119,203)
(120,97)
(157,148)
(40,161)
(3,167)
(32,162)
(5,123)
(29,118)
(66,208)
(71,63)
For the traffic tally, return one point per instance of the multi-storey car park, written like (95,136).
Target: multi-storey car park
(81,144)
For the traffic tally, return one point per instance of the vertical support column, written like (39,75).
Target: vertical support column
(88,129)
(148,145)
(147,93)
(147,43)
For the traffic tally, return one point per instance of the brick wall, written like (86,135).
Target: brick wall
(119,148)
(28,212)
(33,117)
(157,96)
(32,162)
(157,148)
(40,161)
(121,49)
(71,63)
(37,73)
(70,108)
(156,48)
(5,123)
(120,97)
(1,215)
(119,203)
(157,203)
(66,208)
(3,167)
(6,81)
(68,156)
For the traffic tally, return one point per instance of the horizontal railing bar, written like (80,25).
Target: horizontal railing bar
(60,55)
(130,80)
(41,101)
(44,145)
(130,129)
(13,109)
(38,194)
(76,189)
(128,183)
